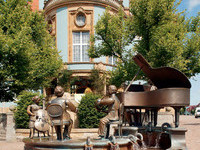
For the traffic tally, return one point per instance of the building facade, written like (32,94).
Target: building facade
(72,22)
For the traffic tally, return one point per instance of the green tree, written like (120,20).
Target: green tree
(162,35)
(65,79)
(97,81)
(28,57)
(112,36)
(88,115)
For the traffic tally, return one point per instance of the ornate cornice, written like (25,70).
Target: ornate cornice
(51,4)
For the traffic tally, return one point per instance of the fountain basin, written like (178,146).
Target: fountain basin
(79,144)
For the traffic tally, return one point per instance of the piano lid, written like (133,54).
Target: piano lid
(164,77)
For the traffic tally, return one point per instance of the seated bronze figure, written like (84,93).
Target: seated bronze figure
(113,109)
(57,110)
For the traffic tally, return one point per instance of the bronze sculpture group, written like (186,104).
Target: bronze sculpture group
(59,117)
(137,104)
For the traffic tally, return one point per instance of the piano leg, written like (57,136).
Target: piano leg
(140,117)
(152,119)
(147,115)
(155,113)
(145,118)
(177,114)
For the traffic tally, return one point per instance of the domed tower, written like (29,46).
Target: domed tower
(72,23)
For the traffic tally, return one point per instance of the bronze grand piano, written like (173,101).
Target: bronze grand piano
(173,90)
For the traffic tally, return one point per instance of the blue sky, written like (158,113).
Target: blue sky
(192,7)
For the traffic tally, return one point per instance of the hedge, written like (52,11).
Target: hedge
(87,114)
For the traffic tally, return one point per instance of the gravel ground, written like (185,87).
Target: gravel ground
(189,122)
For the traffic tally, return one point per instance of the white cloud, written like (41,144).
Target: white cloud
(193,4)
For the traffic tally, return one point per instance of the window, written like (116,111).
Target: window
(80,19)
(112,60)
(80,46)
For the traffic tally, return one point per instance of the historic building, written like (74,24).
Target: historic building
(72,23)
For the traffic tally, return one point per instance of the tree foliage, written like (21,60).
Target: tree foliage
(164,35)
(28,57)
(123,72)
(112,35)
(88,115)
(65,79)
(97,81)
(156,30)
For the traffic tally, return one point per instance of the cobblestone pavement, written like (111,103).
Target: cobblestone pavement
(11,145)
(189,122)
(192,124)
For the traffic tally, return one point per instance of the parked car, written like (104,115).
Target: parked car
(197,112)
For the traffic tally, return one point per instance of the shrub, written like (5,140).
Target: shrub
(193,111)
(182,111)
(21,116)
(87,114)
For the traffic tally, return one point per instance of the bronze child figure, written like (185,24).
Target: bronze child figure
(32,111)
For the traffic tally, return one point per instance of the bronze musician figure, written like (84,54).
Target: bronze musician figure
(32,111)
(113,107)
(65,119)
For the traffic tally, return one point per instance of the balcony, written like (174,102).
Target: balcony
(88,66)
